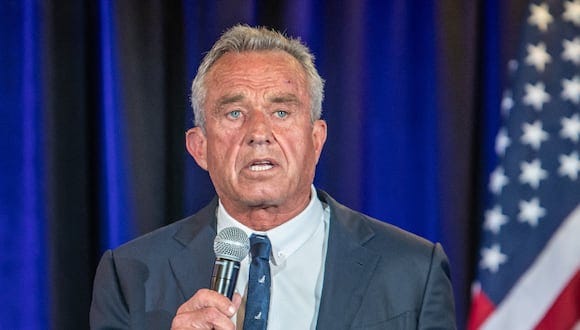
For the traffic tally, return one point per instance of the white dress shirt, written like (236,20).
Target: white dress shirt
(296,266)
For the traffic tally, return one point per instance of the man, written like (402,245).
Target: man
(257,102)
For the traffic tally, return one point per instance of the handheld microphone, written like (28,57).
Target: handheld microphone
(231,245)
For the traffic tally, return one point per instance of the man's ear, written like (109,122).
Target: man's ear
(196,144)
(319,136)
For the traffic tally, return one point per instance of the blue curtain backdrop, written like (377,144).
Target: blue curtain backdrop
(23,240)
(94,103)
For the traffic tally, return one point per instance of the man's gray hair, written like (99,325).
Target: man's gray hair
(243,38)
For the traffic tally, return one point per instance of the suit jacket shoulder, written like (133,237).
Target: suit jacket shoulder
(378,276)
(141,284)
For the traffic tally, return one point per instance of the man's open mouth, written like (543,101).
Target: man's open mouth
(259,166)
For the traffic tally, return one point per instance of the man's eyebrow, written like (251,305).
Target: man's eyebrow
(229,99)
(284,98)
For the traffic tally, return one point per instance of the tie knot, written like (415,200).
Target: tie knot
(260,247)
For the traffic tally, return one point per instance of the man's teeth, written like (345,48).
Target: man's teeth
(260,167)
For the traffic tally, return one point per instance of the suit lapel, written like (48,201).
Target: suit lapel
(349,266)
(192,266)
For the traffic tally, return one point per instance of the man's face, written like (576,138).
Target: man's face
(260,146)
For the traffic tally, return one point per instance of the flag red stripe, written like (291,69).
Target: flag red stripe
(565,311)
(481,308)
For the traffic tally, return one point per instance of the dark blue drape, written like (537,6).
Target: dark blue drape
(94,103)
(24,288)
(117,218)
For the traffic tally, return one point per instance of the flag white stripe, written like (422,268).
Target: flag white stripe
(535,292)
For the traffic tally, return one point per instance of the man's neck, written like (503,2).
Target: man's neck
(265,217)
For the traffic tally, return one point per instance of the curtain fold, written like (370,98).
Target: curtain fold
(115,202)
(22,211)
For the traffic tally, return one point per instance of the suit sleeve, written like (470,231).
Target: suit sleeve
(108,308)
(438,308)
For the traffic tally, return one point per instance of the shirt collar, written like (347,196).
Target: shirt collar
(289,236)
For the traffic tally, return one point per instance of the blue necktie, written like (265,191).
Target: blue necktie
(258,300)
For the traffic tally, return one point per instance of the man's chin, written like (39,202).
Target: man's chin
(259,202)
(260,197)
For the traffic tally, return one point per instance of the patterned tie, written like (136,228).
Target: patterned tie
(258,302)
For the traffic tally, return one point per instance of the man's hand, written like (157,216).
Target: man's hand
(207,309)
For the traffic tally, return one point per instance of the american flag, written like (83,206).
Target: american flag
(528,273)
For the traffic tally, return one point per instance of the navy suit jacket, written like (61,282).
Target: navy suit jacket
(377,276)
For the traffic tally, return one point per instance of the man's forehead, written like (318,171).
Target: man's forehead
(244,60)
(276,76)
(281,75)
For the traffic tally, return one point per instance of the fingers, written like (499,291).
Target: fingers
(207,318)
(237,300)
(207,309)
(208,298)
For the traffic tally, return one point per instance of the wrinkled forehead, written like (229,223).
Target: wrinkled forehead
(261,62)
(276,71)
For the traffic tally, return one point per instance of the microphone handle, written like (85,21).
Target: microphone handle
(225,276)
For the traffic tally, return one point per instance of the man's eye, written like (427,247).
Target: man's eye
(281,114)
(235,114)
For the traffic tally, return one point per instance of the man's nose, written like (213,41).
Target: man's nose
(259,129)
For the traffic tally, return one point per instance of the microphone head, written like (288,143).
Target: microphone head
(231,243)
